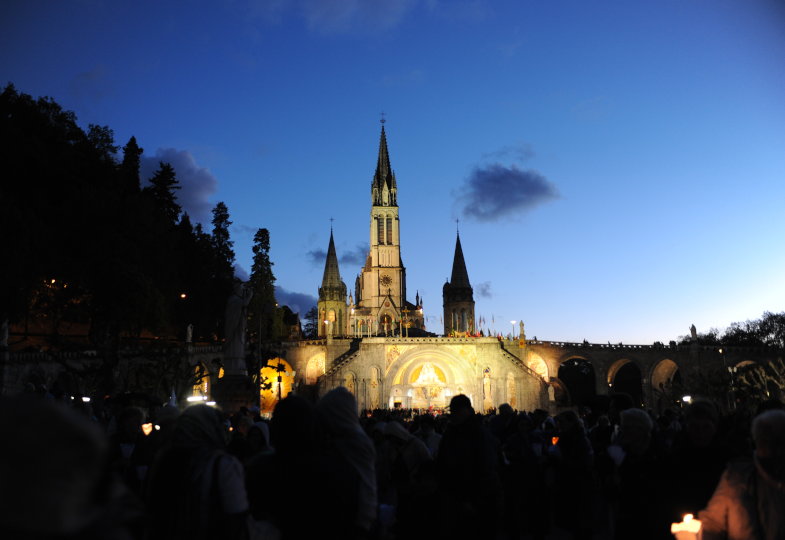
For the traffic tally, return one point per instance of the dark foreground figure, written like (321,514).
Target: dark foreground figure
(328,472)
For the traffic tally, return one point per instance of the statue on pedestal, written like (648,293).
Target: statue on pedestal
(234,328)
(235,389)
(693,333)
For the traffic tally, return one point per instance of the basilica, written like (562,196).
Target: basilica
(374,341)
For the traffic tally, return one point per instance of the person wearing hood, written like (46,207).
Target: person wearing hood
(345,440)
(196,489)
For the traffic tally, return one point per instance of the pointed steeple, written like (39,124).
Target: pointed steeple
(332,276)
(458,296)
(384,177)
(460,277)
(333,288)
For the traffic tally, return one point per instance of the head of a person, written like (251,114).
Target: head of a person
(166,418)
(506,410)
(52,465)
(701,419)
(768,433)
(200,426)
(129,423)
(635,431)
(292,428)
(337,411)
(460,409)
(618,403)
(568,423)
(243,424)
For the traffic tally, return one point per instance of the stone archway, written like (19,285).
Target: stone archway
(538,365)
(578,377)
(314,368)
(665,379)
(429,377)
(277,382)
(625,376)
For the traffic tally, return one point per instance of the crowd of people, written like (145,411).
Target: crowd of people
(323,470)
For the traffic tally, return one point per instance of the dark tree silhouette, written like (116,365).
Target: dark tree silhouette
(163,185)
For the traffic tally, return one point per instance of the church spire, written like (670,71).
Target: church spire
(331,304)
(384,187)
(332,276)
(460,277)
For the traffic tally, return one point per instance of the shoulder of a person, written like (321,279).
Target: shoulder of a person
(739,470)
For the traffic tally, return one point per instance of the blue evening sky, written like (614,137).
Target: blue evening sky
(618,167)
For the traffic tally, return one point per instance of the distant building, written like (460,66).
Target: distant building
(375,341)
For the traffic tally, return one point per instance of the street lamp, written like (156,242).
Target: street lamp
(512,336)
(326,328)
(279,369)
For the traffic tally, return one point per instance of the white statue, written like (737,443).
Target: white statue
(189,333)
(234,328)
(523,334)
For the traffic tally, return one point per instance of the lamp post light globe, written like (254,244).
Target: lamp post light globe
(513,329)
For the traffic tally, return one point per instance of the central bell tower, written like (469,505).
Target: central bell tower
(381,285)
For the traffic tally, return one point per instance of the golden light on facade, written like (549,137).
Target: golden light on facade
(275,368)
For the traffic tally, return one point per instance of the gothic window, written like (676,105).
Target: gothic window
(380,230)
(464,325)
(389,231)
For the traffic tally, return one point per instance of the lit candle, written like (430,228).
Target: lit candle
(688,529)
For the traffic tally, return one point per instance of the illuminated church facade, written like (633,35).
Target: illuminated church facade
(373,340)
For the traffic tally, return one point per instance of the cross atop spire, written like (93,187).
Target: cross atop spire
(384,188)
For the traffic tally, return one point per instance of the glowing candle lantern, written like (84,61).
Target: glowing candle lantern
(688,529)
(147,428)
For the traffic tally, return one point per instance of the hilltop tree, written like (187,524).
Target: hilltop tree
(162,188)
(222,263)
(129,167)
(221,239)
(263,308)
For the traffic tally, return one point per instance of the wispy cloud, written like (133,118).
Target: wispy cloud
(484,289)
(297,302)
(355,257)
(316,257)
(197,183)
(495,191)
